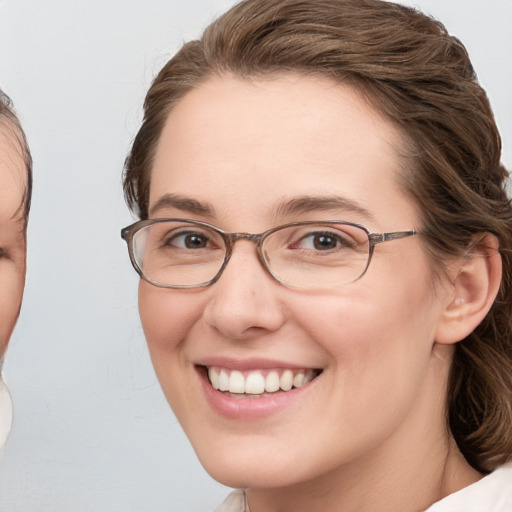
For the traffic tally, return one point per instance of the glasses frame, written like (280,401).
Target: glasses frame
(128,233)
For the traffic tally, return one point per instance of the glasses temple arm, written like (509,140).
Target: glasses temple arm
(378,238)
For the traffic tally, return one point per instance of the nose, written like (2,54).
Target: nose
(245,302)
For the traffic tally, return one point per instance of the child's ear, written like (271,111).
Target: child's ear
(475,281)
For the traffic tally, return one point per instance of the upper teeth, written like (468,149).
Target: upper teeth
(257,382)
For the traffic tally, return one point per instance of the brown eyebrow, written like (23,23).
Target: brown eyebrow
(185,204)
(307,204)
(296,206)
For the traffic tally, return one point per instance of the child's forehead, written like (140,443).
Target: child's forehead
(12,161)
(13,173)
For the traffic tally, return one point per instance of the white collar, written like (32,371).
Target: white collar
(493,493)
(5,412)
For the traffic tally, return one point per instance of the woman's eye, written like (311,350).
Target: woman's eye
(188,240)
(323,241)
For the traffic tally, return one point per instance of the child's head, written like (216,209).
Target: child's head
(15,191)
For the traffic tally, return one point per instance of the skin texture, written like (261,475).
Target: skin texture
(369,433)
(12,239)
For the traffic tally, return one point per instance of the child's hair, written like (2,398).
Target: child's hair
(10,124)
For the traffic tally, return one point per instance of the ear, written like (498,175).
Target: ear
(475,281)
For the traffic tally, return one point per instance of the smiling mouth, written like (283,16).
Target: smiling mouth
(258,383)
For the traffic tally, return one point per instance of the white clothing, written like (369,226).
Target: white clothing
(5,412)
(493,493)
(235,502)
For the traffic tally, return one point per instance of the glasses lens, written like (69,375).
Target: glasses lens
(179,254)
(316,256)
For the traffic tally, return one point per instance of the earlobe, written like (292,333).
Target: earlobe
(475,283)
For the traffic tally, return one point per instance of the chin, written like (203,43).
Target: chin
(253,467)
(243,476)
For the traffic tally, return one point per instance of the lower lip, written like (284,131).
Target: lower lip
(249,408)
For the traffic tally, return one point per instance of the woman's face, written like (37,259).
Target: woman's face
(248,156)
(12,240)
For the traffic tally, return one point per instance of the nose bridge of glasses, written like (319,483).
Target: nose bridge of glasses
(256,238)
(249,237)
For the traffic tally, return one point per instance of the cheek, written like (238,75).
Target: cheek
(379,345)
(165,325)
(11,293)
(163,316)
(374,333)
(167,317)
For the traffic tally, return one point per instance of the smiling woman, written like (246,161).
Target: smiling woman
(312,365)
(15,189)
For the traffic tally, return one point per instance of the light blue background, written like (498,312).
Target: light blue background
(92,431)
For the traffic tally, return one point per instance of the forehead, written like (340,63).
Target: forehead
(12,171)
(247,144)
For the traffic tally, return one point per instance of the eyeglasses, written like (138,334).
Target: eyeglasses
(183,253)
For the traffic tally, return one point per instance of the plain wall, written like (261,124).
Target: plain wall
(92,431)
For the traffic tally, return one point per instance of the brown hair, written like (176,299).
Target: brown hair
(9,121)
(412,71)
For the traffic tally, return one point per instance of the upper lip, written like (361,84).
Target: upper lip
(251,363)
